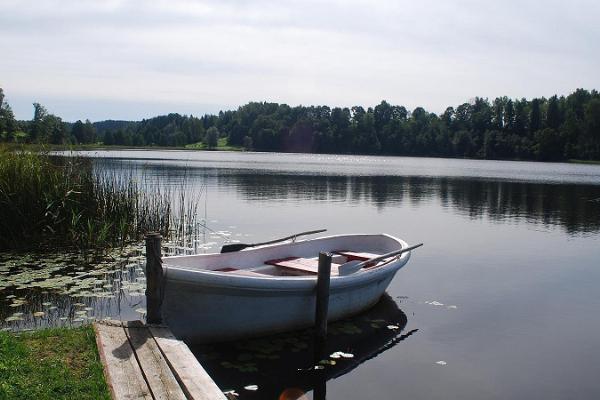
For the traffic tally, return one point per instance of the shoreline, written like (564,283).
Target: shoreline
(230,150)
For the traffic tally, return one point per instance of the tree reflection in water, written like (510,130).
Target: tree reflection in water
(574,207)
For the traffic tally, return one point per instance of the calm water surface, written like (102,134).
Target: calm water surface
(501,302)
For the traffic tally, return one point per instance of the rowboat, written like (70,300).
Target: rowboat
(270,289)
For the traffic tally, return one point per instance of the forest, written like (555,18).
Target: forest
(545,129)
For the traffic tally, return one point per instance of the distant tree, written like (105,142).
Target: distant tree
(553,118)
(498,113)
(248,145)
(535,116)
(109,138)
(89,132)
(77,131)
(509,116)
(8,124)
(592,127)
(38,130)
(211,139)
(550,145)
(521,117)
(56,129)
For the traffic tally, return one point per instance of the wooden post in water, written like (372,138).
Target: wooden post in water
(154,277)
(322,308)
(321,311)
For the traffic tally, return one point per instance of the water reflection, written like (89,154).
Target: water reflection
(282,366)
(574,207)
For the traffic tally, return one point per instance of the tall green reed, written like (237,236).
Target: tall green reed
(59,202)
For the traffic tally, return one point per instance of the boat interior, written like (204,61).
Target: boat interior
(302,266)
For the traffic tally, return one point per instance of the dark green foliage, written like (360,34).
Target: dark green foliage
(212,138)
(83,133)
(503,129)
(46,128)
(8,124)
(557,128)
(51,364)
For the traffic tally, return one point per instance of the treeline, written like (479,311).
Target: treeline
(557,128)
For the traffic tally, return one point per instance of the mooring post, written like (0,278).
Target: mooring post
(154,277)
(323,278)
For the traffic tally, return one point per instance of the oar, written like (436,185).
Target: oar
(352,266)
(229,248)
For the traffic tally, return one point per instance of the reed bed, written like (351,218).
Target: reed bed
(54,202)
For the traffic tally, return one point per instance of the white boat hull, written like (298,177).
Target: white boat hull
(200,305)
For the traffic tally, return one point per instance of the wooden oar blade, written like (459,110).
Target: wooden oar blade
(230,248)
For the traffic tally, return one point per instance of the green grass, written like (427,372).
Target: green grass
(584,161)
(221,145)
(51,364)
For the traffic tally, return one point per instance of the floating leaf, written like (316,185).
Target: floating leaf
(434,303)
(341,354)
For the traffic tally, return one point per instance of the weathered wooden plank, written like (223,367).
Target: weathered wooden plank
(159,377)
(123,374)
(194,380)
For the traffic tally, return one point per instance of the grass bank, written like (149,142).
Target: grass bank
(51,364)
(596,162)
(221,146)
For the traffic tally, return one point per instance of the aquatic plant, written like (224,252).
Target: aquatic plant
(55,202)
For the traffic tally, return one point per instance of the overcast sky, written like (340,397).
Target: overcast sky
(134,59)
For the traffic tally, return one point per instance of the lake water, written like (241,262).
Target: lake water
(502,301)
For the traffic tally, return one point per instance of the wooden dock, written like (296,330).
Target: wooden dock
(148,362)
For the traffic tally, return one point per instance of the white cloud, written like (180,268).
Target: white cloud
(177,54)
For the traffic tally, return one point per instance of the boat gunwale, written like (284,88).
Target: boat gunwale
(220,279)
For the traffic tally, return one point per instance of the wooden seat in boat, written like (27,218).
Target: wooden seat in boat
(302,265)
(356,256)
